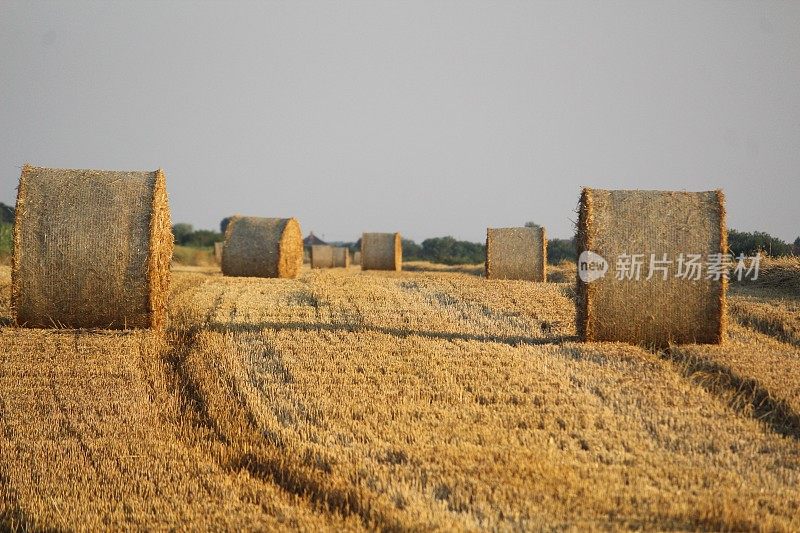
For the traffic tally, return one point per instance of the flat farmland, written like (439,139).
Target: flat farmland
(424,399)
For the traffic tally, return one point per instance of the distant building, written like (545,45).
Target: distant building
(312,240)
(308,242)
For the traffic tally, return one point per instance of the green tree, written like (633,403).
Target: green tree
(561,250)
(450,251)
(750,243)
(796,250)
(202,238)
(411,250)
(182,231)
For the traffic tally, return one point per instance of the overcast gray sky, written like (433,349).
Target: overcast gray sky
(428,118)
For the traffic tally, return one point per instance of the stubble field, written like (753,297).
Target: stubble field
(430,398)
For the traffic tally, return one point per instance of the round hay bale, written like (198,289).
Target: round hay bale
(321,256)
(357,258)
(262,247)
(92,249)
(341,257)
(658,311)
(381,251)
(516,253)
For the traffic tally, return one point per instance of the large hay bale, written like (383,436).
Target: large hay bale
(381,251)
(321,256)
(218,252)
(516,253)
(658,311)
(92,249)
(262,247)
(356,258)
(341,257)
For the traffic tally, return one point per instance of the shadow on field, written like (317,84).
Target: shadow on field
(744,395)
(776,325)
(239,443)
(515,340)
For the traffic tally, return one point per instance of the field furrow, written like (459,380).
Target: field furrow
(416,400)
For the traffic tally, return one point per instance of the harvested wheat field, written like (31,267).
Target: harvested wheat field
(424,399)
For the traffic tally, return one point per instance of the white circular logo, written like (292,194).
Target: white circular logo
(591,266)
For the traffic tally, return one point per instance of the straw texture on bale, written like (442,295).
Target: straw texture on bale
(218,252)
(341,257)
(381,251)
(262,247)
(92,249)
(655,312)
(516,253)
(321,256)
(356,258)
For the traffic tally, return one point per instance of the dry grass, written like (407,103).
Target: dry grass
(426,266)
(193,256)
(771,304)
(401,400)
(780,274)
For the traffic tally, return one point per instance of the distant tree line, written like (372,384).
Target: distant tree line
(739,242)
(451,251)
(559,250)
(6,232)
(749,243)
(446,250)
(186,235)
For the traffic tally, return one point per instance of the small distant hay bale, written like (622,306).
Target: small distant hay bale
(341,257)
(321,256)
(655,312)
(516,253)
(218,246)
(357,258)
(92,249)
(262,247)
(381,251)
